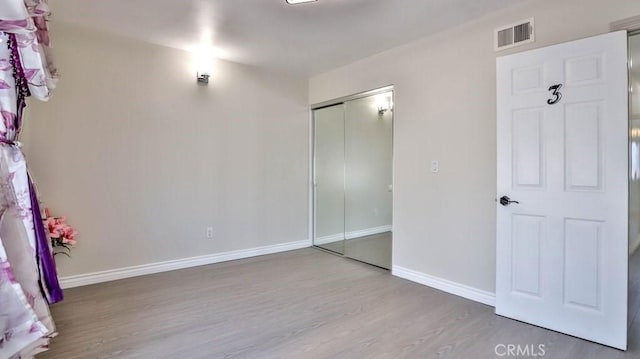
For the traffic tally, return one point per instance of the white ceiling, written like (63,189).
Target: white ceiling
(301,39)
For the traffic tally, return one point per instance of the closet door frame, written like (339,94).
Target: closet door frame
(312,153)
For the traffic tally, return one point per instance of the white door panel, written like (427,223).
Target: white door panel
(562,250)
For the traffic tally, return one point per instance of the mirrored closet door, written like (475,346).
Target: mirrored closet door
(353,158)
(329,178)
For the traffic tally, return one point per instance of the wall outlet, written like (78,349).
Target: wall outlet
(209,232)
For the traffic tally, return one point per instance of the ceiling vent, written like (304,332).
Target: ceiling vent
(513,35)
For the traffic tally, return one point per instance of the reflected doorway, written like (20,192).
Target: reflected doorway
(352,173)
(634,184)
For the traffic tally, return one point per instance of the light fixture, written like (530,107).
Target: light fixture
(203,78)
(203,60)
(293,2)
(384,104)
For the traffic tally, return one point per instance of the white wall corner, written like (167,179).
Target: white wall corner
(471,293)
(158,267)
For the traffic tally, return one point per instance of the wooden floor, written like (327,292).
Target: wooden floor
(300,304)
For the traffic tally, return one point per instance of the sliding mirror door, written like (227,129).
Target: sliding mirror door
(353,157)
(368,179)
(329,178)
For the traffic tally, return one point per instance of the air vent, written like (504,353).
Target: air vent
(516,34)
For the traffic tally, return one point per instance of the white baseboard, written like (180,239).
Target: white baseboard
(368,232)
(444,285)
(329,239)
(151,268)
(353,234)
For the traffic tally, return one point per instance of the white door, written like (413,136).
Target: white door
(563,154)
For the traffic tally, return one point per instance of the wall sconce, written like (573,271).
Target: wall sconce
(384,105)
(203,78)
(202,62)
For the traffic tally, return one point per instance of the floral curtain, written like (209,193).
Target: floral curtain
(28,280)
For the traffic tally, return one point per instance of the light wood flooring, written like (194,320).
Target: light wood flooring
(300,304)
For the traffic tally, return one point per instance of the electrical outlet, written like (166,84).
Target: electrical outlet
(209,232)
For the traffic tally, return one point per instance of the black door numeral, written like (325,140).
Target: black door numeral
(555,92)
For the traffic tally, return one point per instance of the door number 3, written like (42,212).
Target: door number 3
(555,92)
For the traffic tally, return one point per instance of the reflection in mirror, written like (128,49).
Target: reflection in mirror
(353,160)
(368,179)
(329,178)
(634,180)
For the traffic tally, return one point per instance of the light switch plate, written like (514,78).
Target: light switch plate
(435,166)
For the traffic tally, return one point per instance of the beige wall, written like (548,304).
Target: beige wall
(444,224)
(141,160)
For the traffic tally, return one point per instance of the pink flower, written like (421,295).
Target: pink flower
(60,232)
(69,233)
(51,226)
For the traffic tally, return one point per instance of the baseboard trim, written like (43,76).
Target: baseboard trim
(158,267)
(353,234)
(368,232)
(444,285)
(329,239)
